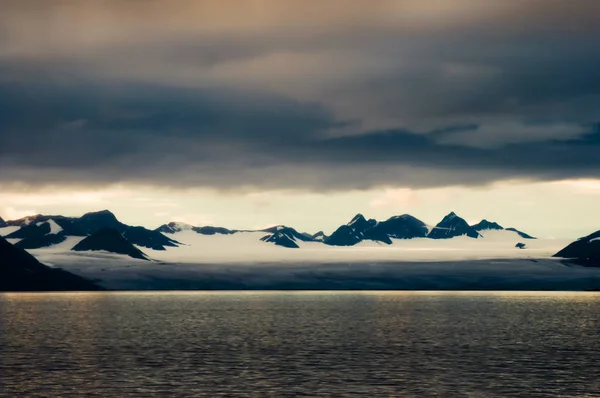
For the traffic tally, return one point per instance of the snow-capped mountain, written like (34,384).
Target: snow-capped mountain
(452,226)
(43,231)
(285,236)
(584,251)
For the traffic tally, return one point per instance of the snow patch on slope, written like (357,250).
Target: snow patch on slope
(54,227)
(4,231)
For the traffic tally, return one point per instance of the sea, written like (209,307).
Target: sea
(300,344)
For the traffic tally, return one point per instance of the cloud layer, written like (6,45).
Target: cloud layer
(296,94)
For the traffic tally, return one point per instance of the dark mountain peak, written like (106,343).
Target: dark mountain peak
(285,236)
(401,227)
(357,218)
(281,239)
(2,222)
(358,229)
(20,271)
(94,221)
(359,223)
(452,226)
(487,225)
(110,240)
(584,251)
(450,216)
(102,214)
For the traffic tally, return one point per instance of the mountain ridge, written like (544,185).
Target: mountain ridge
(584,251)
(40,231)
(34,230)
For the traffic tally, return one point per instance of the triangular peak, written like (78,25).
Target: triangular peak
(357,218)
(450,216)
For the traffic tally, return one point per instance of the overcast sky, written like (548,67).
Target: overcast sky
(248,113)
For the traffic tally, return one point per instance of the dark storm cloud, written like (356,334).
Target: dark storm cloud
(289,95)
(189,138)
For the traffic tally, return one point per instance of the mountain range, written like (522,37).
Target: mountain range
(102,230)
(40,231)
(96,242)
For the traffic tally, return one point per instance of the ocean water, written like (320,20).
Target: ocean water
(317,344)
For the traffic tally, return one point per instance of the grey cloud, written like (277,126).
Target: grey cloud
(190,138)
(292,96)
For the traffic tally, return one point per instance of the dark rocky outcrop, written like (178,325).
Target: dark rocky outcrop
(452,226)
(520,245)
(485,225)
(521,234)
(32,230)
(2,222)
(359,229)
(174,227)
(38,242)
(110,240)
(144,237)
(319,236)
(20,271)
(584,251)
(212,231)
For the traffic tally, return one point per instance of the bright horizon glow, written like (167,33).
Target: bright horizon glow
(537,208)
